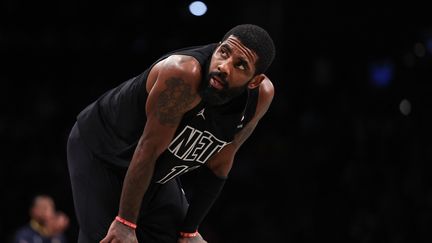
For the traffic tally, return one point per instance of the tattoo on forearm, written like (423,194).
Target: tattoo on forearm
(173,101)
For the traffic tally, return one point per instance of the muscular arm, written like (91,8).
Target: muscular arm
(169,98)
(162,121)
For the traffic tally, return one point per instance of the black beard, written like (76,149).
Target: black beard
(214,96)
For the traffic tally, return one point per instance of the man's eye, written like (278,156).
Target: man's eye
(241,66)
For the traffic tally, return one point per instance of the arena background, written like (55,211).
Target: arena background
(343,155)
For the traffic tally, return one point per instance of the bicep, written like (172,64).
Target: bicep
(170,97)
(169,100)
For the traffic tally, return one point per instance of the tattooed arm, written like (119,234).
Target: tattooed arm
(172,87)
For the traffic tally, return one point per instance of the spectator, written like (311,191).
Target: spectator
(46,224)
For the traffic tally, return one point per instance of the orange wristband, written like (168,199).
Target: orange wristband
(125,222)
(188,235)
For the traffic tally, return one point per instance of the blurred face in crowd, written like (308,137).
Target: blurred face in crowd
(43,209)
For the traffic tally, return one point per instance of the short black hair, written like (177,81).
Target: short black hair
(257,39)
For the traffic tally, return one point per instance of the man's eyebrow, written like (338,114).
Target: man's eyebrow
(225,45)
(244,61)
(243,58)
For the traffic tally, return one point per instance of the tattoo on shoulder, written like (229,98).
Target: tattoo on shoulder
(173,101)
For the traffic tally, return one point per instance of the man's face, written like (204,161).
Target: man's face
(232,66)
(43,209)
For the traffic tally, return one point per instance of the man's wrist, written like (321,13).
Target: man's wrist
(188,234)
(125,222)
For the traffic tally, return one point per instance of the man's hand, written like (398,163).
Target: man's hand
(196,239)
(120,233)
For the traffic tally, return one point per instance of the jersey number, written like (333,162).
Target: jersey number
(175,171)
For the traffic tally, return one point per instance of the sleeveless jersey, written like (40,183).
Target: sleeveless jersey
(112,125)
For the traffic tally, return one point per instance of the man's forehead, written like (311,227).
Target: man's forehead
(236,43)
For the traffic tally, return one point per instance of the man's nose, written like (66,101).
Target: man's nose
(223,67)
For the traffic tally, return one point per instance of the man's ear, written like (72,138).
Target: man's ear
(256,81)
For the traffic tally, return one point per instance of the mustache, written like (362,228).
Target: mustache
(221,76)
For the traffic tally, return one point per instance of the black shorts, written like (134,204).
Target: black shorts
(96,189)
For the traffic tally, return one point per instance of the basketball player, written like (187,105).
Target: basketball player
(191,109)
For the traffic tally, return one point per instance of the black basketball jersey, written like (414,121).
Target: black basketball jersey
(112,125)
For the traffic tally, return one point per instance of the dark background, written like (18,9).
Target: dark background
(335,158)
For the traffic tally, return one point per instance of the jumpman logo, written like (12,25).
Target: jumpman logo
(201,113)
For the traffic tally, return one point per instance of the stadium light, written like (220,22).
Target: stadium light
(197,8)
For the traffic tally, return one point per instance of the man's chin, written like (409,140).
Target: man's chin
(211,96)
(214,100)
(214,96)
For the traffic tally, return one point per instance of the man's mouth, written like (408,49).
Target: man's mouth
(216,83)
